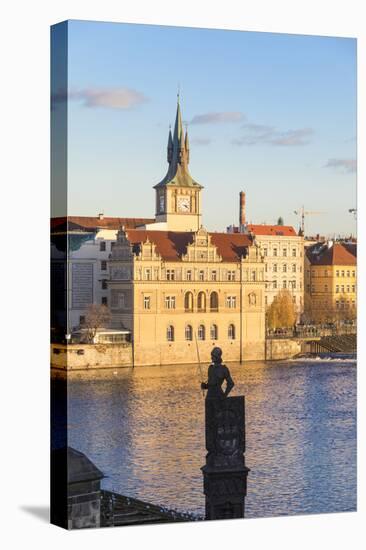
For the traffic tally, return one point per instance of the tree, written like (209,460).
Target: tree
(282,312)
(280,221)
(97,316)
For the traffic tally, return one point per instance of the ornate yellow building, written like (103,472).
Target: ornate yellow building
(330,282)
(181,290)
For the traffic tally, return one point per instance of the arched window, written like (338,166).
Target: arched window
(170,333)
(188,301)
(231,332)
(201,301)
(214,332)
(188,332)
(201,332)
(214,301)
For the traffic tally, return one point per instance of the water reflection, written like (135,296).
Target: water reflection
(144,428)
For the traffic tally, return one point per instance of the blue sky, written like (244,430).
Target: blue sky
(271,114)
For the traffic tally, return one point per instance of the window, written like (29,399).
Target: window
(275,284)
(294,252)
(275,252)
(103,265)
(293,268)
(214,301)
(122,300)
(188,333)
(231,332)
(353,273)
(189,275)
(353,288)
(275,268)
(170,274)
(213,275)
(348,273)
(104,284)
(294,285)
(201,333)
(337,288)
(342,273)
(201,301)
(284,252)
(231,275)
(284,284)
(266,267)
(254,275)
(294,299)
(146,302)
(214,332)
(284,268)
(148,274)
(266,300)
(325,288)
(337,304)
(81,319)
(104,300)
(348,288)
(170,302)
(342,288)
(188,301)
(170,333)
(265,251)
(337,273)
(201,275)
(112,245)
(231,302)
(102,246)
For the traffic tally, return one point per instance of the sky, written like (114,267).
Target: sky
(273,115)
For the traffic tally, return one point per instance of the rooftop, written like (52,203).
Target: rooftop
(335,254)
(272,230)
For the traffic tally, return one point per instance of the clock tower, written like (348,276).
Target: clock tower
(178,196)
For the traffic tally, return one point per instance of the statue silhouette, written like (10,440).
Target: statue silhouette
(217,374)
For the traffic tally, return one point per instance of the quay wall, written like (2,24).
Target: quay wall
(283,348)
(90,356)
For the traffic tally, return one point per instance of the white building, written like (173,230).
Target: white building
(79,264)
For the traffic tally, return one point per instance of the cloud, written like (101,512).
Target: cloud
(201,141)
(218,118)
(109,98)
(346,165)
(269,135)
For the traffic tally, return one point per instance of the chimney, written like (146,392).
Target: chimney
(101,215)
(241,209)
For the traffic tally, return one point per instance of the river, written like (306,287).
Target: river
(144,428)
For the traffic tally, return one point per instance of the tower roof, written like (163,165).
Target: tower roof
(178,158)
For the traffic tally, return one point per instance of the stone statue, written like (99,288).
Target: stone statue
(217,373)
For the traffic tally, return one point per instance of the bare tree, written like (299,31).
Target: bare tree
(97,316)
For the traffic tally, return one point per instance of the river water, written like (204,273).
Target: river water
(144,428)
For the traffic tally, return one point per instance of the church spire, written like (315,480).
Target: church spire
(178,156)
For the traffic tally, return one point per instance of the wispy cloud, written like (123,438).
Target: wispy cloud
(109,98)
(345,165)
(218,118)
(264,134)
(201,141)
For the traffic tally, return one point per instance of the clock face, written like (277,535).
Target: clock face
(184,204)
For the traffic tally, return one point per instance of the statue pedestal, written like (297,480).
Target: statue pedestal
(225,473)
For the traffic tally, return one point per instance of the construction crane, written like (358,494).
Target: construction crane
(302,212)
(353,211)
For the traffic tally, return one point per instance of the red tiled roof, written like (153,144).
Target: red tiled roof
(89,222)
(337,254)
(276,230)
(171,245)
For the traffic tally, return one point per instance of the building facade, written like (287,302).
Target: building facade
(80,248)
(182,293)
(331,282)
(283,252)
